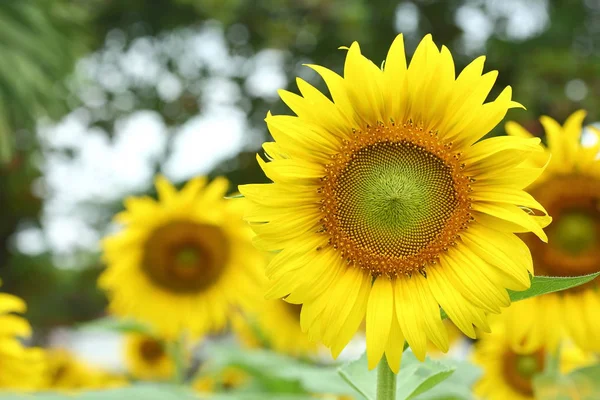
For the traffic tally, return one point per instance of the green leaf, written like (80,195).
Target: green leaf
(414,379)
(273,369)
(549,284)
(427,375)
(591,373)
(457,386)
(356,374)
(116,325)
(582,384)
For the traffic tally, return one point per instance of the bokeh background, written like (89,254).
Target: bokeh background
(98,96)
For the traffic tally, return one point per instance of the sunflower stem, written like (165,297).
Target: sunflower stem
(178,357)
(386,381)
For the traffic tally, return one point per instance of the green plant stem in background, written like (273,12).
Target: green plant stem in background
(386,381)
(179,361)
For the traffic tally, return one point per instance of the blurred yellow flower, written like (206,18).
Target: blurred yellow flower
(182,263)
(21,368)
(147,358)
(227,379)
(508,374)
(570,191)
(373,194)
(275,325)
(66,373)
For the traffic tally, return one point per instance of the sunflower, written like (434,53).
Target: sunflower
(570,190)
(20,366)
(66,373)
(276,325)
(182,262)
(508,374)
(385,204)
(147,357)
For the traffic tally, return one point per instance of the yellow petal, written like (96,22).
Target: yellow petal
(292,171)
(460,311)
(429,310)
(395,346)
(514,214)
(10,303)
(507,195)
(379,319)
(514,129)
(364,85)
(338,91)
(343,298)
(467,273)
(356,316)
(166,191)
(394,78)
(409,318)
(498,249)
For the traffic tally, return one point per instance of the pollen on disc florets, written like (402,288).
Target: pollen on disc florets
(394,198)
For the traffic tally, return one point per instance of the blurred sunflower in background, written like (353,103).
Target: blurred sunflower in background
(65,372)
(182,262)
(570,190)
(21,368)
(509,373)
(385,204)
(275,325)
(147,357)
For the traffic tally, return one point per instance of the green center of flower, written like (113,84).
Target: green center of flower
(395,198)
(527,365)
(575,232)
(185,257)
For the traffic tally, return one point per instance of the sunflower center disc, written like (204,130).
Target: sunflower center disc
(519,369)
(395,198)
(573,248)
(151,350)
(185,257)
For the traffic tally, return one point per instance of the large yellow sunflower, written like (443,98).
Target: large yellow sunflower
(181,263)
(508,374)
(570,190)
(20,367)
(277,325)
(386,204)
(147,357)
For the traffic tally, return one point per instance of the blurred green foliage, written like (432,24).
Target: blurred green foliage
(39,43)
(41,40)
